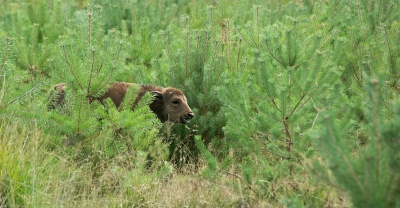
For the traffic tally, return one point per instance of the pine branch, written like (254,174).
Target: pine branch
(392,67)
(388,13)
(238,55)
(6,49)
(379,12)
(316,117)
(298,103)
(112,70)
(276,106)
(251,36)
(89,29)
(187,46)
(248,42)
(91,74)
(280,61)
(341,8)
(375,114)
(287,134)
(346,161)
(273,153)
(167,48)
(70,67)
(25,94)
(258,26)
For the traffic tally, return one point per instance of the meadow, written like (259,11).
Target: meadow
(296,103)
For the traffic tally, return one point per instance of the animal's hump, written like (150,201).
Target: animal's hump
(149,88)
(174,91)
(122,85)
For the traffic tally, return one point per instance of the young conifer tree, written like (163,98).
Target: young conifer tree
(11,90)
(196,70)
(370,29)
(87,61)
(371,179)
(286,69)
(36,28)
(294,66)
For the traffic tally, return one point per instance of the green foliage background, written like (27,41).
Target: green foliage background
(294,102)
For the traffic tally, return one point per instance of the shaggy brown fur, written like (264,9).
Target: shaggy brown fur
(170,104)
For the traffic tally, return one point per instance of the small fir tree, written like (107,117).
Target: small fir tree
(101,134)
(291,70)
(196,70)
(87,61)
(36,28)
(371,179)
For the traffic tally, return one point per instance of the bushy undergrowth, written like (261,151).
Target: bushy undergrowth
(294,102)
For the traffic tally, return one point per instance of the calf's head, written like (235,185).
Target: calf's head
(170,104)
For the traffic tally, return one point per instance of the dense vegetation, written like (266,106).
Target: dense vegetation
(296,103)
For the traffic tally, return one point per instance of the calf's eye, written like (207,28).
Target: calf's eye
(175,102)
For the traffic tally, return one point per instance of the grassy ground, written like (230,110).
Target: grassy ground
(36,175)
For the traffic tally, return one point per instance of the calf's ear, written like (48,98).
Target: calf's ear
(157,94)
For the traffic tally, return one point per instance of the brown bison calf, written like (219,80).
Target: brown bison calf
(170,104)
